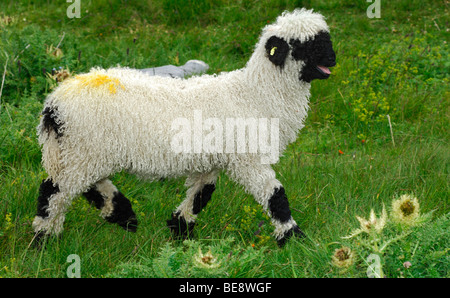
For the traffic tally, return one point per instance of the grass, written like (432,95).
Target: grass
(344,163)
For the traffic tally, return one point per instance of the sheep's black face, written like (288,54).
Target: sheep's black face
(317,53)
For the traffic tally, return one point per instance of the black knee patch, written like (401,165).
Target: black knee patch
(95,197)
(123,214)
(46,190)
(179,227)
(279,206)
(294,231)
(202,198)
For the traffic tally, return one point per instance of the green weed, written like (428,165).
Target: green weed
(212,258)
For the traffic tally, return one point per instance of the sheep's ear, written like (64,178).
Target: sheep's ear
(277,50)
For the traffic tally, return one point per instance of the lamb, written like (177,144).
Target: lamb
(105,121)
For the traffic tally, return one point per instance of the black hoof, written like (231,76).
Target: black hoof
(127,223)
(39,240)
(294,231)
(123,214)
(179,227)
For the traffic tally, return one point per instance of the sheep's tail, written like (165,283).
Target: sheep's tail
(50,130)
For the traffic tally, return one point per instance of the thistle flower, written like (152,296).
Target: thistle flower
(7,20)
(368,226)
(207,260)
(405,210)
(343,257)
(407,264)
(58,75)
(55,52)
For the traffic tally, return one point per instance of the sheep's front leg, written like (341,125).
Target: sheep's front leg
(260,181)
(200,188)
(285,226)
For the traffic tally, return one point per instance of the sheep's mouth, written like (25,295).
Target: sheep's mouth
(314,71)
(323,68)
(324,71)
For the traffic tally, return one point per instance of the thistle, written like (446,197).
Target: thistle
(405,210)
(343,258)
(57,76)
(207,260)
(373,224)
(55,52)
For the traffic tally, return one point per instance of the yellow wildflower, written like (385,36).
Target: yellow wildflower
(8,222)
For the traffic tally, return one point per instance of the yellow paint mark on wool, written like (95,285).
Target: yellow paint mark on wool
(98,80)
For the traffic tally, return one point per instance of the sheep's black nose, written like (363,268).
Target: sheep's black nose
(328,60)
(331,59)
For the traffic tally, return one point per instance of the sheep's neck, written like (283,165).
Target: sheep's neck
(279,97)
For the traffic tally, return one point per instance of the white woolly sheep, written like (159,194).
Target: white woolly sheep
(105,121)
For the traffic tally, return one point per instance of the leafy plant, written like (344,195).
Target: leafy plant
(221,258)
(386,80)
(405,244)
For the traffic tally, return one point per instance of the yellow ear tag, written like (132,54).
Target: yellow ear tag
(272,51)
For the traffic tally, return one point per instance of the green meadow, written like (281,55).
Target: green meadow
(377,130)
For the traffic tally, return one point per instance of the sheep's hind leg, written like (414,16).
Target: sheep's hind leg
(200,188)
(114,206)
(51,209)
